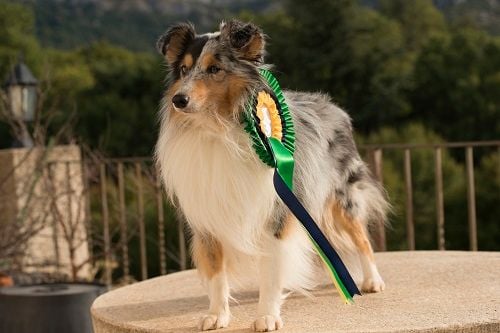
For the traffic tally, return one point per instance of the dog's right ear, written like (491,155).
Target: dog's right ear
(175,40)
(246,39)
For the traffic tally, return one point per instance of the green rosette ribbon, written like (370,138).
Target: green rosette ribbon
(269,124)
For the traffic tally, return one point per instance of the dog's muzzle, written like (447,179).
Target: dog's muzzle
(180,101)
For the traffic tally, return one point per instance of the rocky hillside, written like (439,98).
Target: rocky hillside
(483,13)
(135,24)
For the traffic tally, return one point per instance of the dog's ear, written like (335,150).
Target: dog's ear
(245,38)
(175,40)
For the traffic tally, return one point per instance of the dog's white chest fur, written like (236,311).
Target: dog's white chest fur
(219,183)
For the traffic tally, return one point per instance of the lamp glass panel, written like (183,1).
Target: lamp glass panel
(16,101)
(29,103)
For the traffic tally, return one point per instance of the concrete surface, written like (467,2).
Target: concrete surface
(426,292)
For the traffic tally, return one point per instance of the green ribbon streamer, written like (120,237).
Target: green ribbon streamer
(284,161)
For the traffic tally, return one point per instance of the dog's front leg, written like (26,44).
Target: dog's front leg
(208,257)
(271,269)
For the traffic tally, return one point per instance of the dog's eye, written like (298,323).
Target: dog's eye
(213,69)
(184,69)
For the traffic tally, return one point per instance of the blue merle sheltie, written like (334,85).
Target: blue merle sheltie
(240,228)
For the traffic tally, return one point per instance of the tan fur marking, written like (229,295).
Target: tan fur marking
(188,60)
(207,60)
(288,227)
(354,228)
(174,49)
(253,49)
(200,92)
(172,90)
(223,95)
(236,86)
(207,255)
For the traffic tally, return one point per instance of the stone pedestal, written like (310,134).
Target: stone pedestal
(426,292)
(43,209)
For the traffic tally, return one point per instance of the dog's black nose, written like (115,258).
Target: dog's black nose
(180,101)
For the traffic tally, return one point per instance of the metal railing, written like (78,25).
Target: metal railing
(137,177)
(133,233)
(374,155)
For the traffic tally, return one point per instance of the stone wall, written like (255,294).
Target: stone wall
(43,203)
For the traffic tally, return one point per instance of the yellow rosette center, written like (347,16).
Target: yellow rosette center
(267,112)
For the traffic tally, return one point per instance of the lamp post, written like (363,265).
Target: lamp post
(21,88)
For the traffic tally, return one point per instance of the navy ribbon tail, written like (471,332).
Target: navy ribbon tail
(307,221)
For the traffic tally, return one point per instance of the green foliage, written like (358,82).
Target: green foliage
(487,199)
(17,37)
(110,95)
(351,52)
(107,94)
(121,121)
(132,24)
(65,25)
(419,19)
(457,77)
(403,72)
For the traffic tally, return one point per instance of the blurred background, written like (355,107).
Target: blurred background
(420,79)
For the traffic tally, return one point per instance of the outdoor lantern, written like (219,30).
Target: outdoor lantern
(22,93)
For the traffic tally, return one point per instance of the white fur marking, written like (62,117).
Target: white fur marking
(218,313)
(372,281)
(222,187)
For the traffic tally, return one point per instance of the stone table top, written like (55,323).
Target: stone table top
(426,291)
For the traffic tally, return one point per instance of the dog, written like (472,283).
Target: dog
(224,191)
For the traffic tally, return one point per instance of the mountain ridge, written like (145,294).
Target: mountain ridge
(135,24)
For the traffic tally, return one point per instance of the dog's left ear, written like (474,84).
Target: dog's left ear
(245,38)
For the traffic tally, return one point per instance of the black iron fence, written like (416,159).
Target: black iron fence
(133,232)
(374,156)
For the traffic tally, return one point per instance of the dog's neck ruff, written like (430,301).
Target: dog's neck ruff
(268,121)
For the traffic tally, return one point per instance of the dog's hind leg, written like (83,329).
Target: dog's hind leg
(208,257)
(372,281)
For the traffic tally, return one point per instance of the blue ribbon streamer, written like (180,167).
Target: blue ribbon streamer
(307,221)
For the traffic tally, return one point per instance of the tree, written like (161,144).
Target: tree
(349,51)
(419,19)
(118,113)
(17,37)
(457,80)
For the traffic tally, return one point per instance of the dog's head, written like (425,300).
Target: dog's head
(212,74)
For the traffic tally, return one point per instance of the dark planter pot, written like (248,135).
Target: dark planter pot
(48,308)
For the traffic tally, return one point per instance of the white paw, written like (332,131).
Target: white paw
(267,323)
(373,284)
(213,321)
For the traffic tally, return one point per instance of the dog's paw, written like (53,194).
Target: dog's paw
(213,321)
(267,323)
(373,284)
